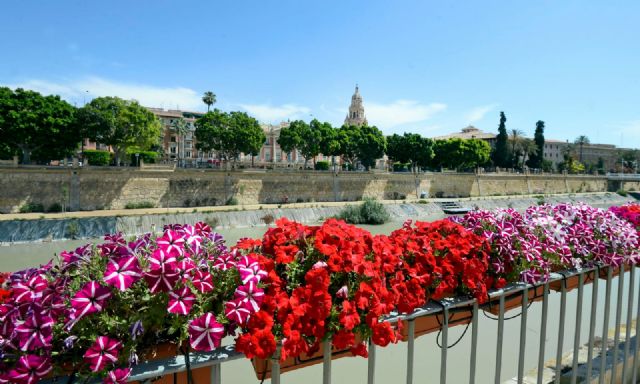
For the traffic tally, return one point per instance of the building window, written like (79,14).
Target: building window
(173,139)
(173,149)
(188,153)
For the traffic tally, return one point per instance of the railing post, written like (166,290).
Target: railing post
(500,340)
(523,333)
(411,334)
(616,337)
(474,343)
(563,309)
(627,339)
(605,328)
(445,345)
(592,322)
(543,331)
(326,362)
(371,363)
(275,365)
(216,374)
(576,337)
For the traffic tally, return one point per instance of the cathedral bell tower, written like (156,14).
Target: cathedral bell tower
(356,110)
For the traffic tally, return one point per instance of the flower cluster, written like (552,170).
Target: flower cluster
(527,247)
(629,212)
(100,306)
(337,282)
(444,259)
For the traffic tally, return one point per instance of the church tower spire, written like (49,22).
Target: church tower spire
(356,110)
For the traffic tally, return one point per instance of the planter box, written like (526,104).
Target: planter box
(573,281)
(433,323)
(262,367)
(512,301)
(616,271)
(163,351)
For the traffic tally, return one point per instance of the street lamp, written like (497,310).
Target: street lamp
(137,160)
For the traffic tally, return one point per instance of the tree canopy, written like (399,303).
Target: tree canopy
(120,124)
(459,153)
(42,126)
(209,98)
(501,151)
(371,145)
(229,133)
(535,160)
(410,148)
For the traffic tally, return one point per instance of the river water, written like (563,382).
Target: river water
(391,361)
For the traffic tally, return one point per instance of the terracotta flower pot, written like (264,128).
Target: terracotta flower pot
(616,271)
(514,300)
(262,367)
(166,350)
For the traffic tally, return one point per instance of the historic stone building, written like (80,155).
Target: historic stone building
(356,116)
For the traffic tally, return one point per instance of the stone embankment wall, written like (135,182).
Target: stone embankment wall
(110,188)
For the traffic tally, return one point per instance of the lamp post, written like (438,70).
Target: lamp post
(137,160)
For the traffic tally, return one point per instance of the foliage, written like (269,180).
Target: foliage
(232,201)
(322,166)
(229,133)
(31,207)
(209,98)
(629,212)
(501,152)
(119,123)
(456,153)
(547,165)
(410,148)
(148,157)
(349,136)
(54,208)
(371,145)
(571,165)
(38,126)
(622,192)
(369,211)
(303,137)
(140,205)
(536,159)
(95,157)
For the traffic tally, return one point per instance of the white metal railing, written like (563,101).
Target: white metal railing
(600,368)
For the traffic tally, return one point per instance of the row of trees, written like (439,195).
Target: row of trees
(514,150)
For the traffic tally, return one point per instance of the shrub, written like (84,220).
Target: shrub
(72,230)
(140,204)
(148,157)
(232,201)
(95,157)
(400,167)
(32,207)
(622,192)
(369,212)
(55,207)
(322,165)
(268,219)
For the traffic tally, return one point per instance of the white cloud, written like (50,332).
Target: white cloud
(478,113)
(275,114)
(84,89)
(400,112)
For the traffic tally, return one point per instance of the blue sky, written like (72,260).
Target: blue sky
(430,67)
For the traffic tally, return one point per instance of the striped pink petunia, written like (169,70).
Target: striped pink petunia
(30,369)
(235,311)
(250,295)
(35,332)
(90,299)
(122,272)
(205,333)
(171,242)
(104,351)
(180,301)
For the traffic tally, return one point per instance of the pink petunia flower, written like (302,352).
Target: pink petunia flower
(28,290)
(122,272)
(180,302)
(30,369)
(104,351)
(162,261)
(250,270)
(202,281)
(250,295)
(224,262)
(205,333)
(118,376)
(234,310)
(171,242)
(35,332)
(160,282)
(90,299)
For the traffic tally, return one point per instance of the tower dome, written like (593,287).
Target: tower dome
(356,110)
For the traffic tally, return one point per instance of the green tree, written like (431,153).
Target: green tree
(501,151)
(120,124)
(528,149)
(289,139)
(535,161)
(349,137)
(209,98)
(459,153)
(581,141)
(42,126)
(515,144)
(181,128)
(410,148)
(229,133)
(303,137)
(371,145)
(329,142)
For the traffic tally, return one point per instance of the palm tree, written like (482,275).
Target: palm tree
(528,148)
(209,98)
(515,138)
(181,128)
(582,140)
